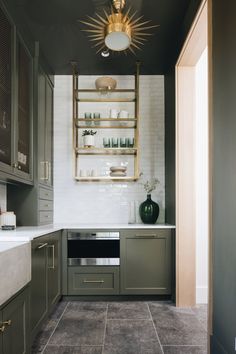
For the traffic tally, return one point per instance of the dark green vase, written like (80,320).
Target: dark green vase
(149,211)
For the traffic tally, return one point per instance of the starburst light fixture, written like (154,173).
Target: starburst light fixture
(118,31)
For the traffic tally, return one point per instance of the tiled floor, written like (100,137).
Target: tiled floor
(123,328)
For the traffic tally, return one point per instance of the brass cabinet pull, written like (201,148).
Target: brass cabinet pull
(47,171)
(19,167)
(145,236)
(15,165)
(7,323)
(93,281)
(53,256)
(42,245)
(2,328)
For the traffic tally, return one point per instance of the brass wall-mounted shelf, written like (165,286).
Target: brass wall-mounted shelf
(106,179)
(105,100)
(104,91)
(106,151)
(112,123)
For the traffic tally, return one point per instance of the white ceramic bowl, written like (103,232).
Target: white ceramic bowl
(118,168)
(105,83)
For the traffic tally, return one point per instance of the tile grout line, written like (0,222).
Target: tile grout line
(158,339)
(105,327)
(55,328)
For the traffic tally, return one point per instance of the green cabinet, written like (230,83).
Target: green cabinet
(93,280)
(45,277)
(16,74)
(45,129)
(14,325)
(145,262)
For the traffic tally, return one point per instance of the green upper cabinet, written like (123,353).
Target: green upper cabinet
(16,96)
(45,129)
(23,133)
(5,93)
(145,262)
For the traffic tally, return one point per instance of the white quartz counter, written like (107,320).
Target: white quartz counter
(28,233)
(15,268)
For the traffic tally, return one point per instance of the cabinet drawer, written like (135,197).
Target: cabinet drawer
(93,280)
(45,217)
(45,204)
(45,194)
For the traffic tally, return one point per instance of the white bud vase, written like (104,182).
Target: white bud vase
(88,140)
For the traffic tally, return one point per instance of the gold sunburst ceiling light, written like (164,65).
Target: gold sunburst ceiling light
(118,31)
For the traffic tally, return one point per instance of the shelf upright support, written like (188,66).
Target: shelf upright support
(136,136)
(75,87)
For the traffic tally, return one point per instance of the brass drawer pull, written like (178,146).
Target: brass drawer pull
(145,236)
(93,281)
(42,245)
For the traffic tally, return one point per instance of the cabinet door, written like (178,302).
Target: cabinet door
(15,315)
(54,268)
(5,93)
(41,126)
(49,134)
(145,262)
(38,283)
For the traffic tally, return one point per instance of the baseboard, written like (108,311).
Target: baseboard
(216,347)
(202,295)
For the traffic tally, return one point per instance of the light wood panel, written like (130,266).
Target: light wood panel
(194,46)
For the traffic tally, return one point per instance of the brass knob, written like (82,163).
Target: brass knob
(2,328)
(19,167)
(14,165)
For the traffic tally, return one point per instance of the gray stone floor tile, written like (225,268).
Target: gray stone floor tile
(58,311)
(85,310)
(134,348)
(184,350)
(177,327)
(72,350)
(79,331)
(130,336)
(128,310)
(201,312)
(43,336)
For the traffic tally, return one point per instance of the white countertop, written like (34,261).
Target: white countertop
(28,233)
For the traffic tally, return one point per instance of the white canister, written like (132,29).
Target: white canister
(8,220)
(113,113)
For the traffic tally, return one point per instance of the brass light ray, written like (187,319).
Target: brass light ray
(118,31)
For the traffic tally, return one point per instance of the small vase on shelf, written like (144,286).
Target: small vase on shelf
(149,211)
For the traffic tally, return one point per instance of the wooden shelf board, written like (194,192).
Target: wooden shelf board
(104,91)
(106,151)
(104,127)
(106,100)
(105,119)
(106,179)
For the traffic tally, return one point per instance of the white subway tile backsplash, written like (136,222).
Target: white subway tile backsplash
(107,202)
(3,197)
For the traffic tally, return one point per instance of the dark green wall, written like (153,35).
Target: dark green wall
(224,176)
(170,113)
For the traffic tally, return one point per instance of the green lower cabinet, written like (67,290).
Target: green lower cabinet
(45,278)
(15,334)
(93,280)
(145,262)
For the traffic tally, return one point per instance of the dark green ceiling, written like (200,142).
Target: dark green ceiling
(54,23)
